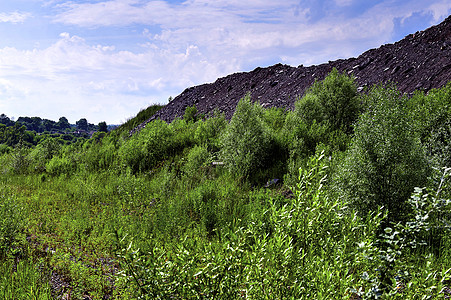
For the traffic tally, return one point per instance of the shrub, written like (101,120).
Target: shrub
(20,161)
(190,114)
(196,158)
(324,115)
(60,165)
(246,141)
(11,223)
(432,114)
(208,132)
(146,148)
(183,134)
(385,160)
(44,152)
(333,101)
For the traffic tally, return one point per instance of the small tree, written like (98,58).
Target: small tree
(103,127)
(246,141)
(333,100)
(385,160)
(63,123)
(324,115)
(82,124)
(190,114)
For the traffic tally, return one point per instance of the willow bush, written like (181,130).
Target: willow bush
(385,160)
(246,140)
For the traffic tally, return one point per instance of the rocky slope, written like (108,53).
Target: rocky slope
(419,61)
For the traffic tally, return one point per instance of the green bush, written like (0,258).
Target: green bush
(324,115)
(145,149)
(246,141)
(60,165)
(385,160)
(333,101)
(11,224)
(432,116)
(20,161)
(46,149)
(208,132)
(183,135)
(197,157)
(190,114)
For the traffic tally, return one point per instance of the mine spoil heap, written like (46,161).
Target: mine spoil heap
(420,61)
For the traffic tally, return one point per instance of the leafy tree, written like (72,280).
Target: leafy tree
(63,124)
(48,125)
(103,127)
(246,140)
(5,120)
(82,124)
(333,100)
(432,116)
(329,106)
(12,135)
(385,160)
(324,115)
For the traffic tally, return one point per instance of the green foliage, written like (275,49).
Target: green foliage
(82,124)
(190,114)
(246,140)
(385,160)
(334,101)
(22,281)
(147,216)
(60,165)
(197,158)
(141,117)
(13,135)
(63,124)
(432,115)
(103,127)
(209,131)
(145,149)
(325,116)
(297,248)
(20,161)
(11,224)
(4,149)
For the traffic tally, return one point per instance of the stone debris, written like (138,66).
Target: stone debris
(419,61)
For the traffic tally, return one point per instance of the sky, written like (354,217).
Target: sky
(105,60)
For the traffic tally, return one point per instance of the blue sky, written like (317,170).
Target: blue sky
(104,60)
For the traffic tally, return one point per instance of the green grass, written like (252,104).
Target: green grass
(23,280)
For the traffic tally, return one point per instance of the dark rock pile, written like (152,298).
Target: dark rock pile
(419,61)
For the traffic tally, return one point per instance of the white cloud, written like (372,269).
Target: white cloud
(440,10)
(182,45)
(14,17)
(73,72)
(237,29)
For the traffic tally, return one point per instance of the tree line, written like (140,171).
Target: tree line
(26,129)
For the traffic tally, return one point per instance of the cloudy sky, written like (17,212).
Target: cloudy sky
(105,60)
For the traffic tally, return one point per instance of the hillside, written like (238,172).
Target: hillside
(419,61)
(346,196)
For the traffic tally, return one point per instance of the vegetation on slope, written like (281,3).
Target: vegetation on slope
(347,197)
